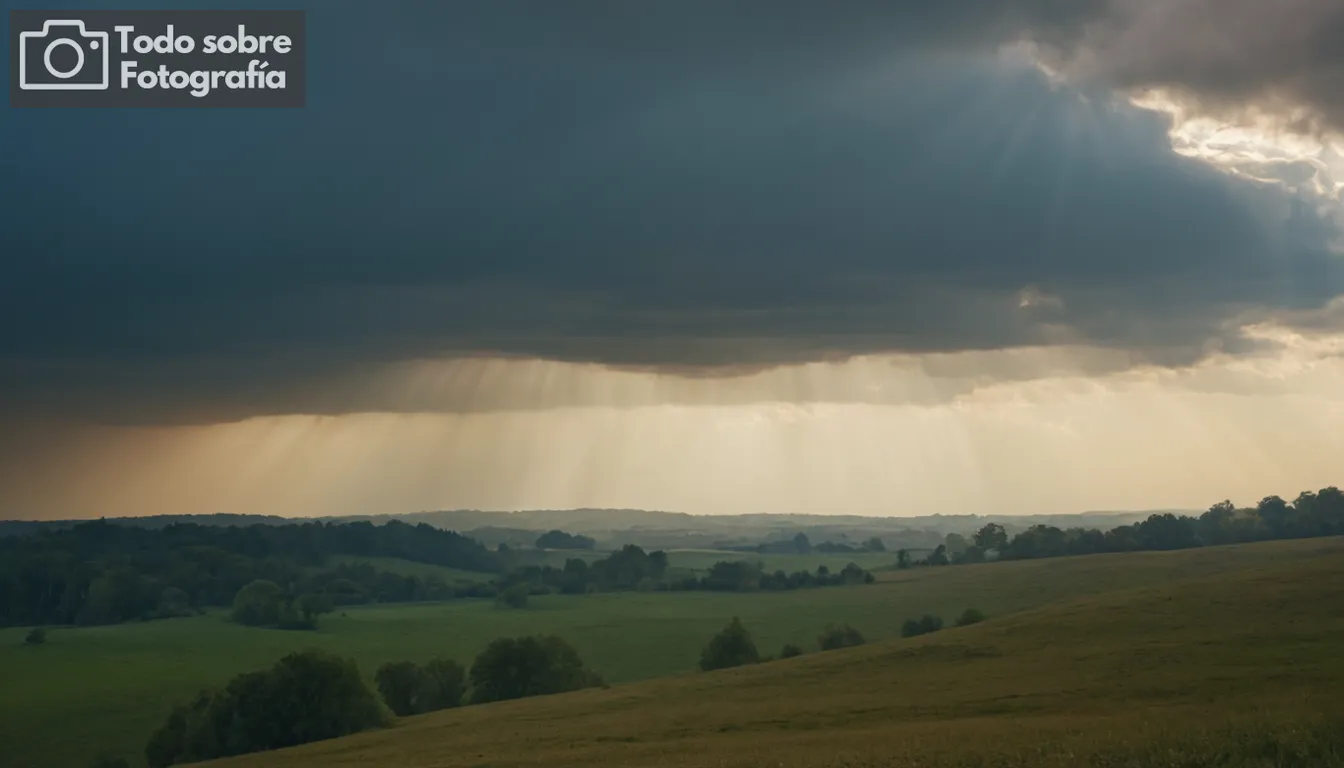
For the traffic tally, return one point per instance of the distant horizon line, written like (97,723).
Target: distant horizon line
(538,510)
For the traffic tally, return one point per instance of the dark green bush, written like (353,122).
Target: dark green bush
(513,597)
(35,636)
(841,636)
(970,616)
(921,626)
(789,651)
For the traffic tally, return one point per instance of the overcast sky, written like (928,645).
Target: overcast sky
(900,257)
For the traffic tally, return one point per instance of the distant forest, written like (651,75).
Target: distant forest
(1311,514)
(104,573)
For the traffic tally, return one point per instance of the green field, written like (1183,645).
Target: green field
(106,688)
(1241,670)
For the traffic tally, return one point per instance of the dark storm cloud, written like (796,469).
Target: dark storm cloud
(680,186)
(1226,55)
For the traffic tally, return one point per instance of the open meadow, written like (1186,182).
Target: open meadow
(105,689)
(1237,670)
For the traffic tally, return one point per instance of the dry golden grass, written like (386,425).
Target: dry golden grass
(1240,669)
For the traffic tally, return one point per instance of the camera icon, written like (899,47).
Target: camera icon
(45,58)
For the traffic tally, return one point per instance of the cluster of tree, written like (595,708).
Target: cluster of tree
(508,668)
(414,689)
(562,540)
(929,623)
(104,573)
(1311,514)
(733,645)
(263,603)
(313,695)
(306,696)
(513,668)
(626,569)
(837,636)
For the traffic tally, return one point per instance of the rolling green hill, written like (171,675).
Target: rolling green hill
(1241,669)
(106,688)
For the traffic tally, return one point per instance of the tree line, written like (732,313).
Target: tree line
(631,568)
(1312,514)
(103,573)
(562,540)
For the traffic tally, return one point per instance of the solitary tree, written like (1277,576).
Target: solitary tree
(939,556)
(731,647)
(991,536)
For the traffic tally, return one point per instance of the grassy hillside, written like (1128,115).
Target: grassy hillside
(109,687)
(1242,669)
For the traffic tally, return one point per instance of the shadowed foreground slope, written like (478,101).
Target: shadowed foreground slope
(1244,669)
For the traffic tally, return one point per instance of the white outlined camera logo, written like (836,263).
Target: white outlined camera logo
(109,59)
(90,58)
